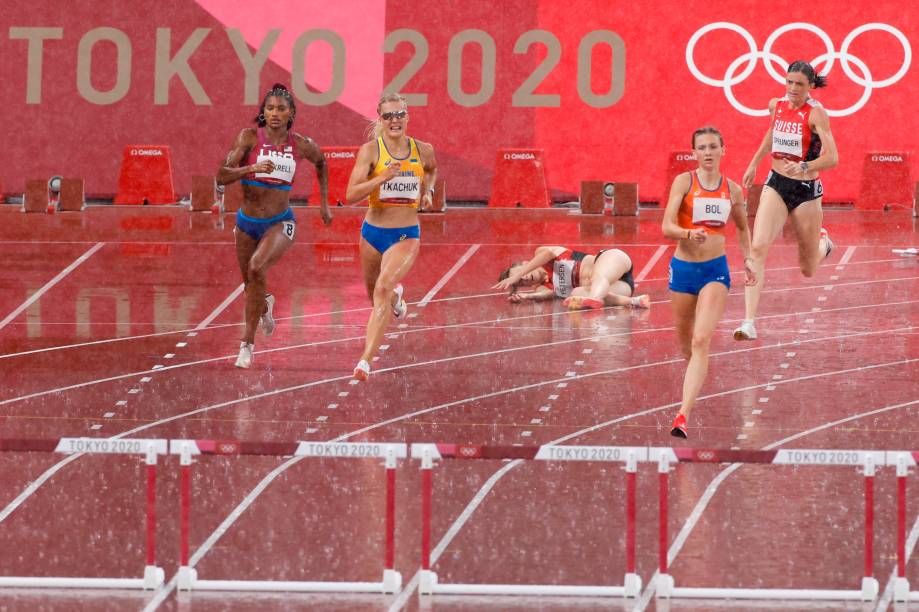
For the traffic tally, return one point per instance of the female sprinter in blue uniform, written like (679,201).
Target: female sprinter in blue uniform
(396,173)
(802,145)
(265,225)
(699,205)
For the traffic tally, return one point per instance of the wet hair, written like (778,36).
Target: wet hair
(375,129)
(277,91)
(816,80)
(506,273)
(707,129)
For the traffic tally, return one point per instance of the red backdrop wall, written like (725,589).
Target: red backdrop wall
(604,87)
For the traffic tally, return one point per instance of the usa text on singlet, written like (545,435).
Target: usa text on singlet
(404,189)
(282,156)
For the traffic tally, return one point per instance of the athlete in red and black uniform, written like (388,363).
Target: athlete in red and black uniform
(802,145)
(265,225)
(583,280)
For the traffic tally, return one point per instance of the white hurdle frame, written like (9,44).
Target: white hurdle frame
(868,460)
(390,453)
(902,461)
(629,456)
(153,575)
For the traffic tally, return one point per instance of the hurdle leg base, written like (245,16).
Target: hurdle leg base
(901,590)
(632,585)
(392,581)
(870,588)
(186,578)
(427,582)
(664,586)
(153,577)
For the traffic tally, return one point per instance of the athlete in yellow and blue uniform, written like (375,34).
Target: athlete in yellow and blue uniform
(397,175)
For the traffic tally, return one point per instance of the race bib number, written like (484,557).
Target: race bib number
(289,228)
(405,188)
(710,212)
(787,143)
(562,275)
(284,167)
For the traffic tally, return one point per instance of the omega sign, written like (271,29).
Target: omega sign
(519,156)
(886,158)
(340,155)
(146,152)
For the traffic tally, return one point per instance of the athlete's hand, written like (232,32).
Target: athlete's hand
(507,283)
(748,177)
(392,169)
(793,168)
(326,214)
(263,167)
(749,272)
(515,298)
(698,235)
(427,202)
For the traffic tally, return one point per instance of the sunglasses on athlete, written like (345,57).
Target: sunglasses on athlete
(394,115)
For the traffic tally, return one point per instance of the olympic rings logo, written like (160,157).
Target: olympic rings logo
(770,60)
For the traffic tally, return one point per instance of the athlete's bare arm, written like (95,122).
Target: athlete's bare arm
(230,170)
(360,185)
(764,148)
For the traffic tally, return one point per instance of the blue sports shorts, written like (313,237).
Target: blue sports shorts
(255,228)
(381,238)
(692,276)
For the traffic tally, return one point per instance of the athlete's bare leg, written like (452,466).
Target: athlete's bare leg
(254,265)
(807,220)
(709,308)
(393,266)
(770,218)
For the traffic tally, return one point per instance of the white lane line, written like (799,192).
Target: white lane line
(630,333)
(651,262)
(446,277)
(431,328)
(223,305)
(846,256)
(51,283)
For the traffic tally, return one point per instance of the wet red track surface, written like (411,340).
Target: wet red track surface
(139,337)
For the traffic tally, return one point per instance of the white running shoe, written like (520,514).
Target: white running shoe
(400,310)
(362,370)
(829,243)
(268,317)
(245,355)
(640,301)
(746,331)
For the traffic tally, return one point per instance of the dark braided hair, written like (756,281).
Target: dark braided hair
(277,90)
(816,80)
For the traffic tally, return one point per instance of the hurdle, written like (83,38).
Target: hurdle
(188,577)
(868,460)
(629,456)
(153,575)
(902,461)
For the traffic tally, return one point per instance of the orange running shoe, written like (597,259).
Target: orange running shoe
(577,302)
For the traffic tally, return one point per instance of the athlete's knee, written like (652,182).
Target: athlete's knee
(382,291)
(701,342)
(758,250)
(808,271)
(257,272)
